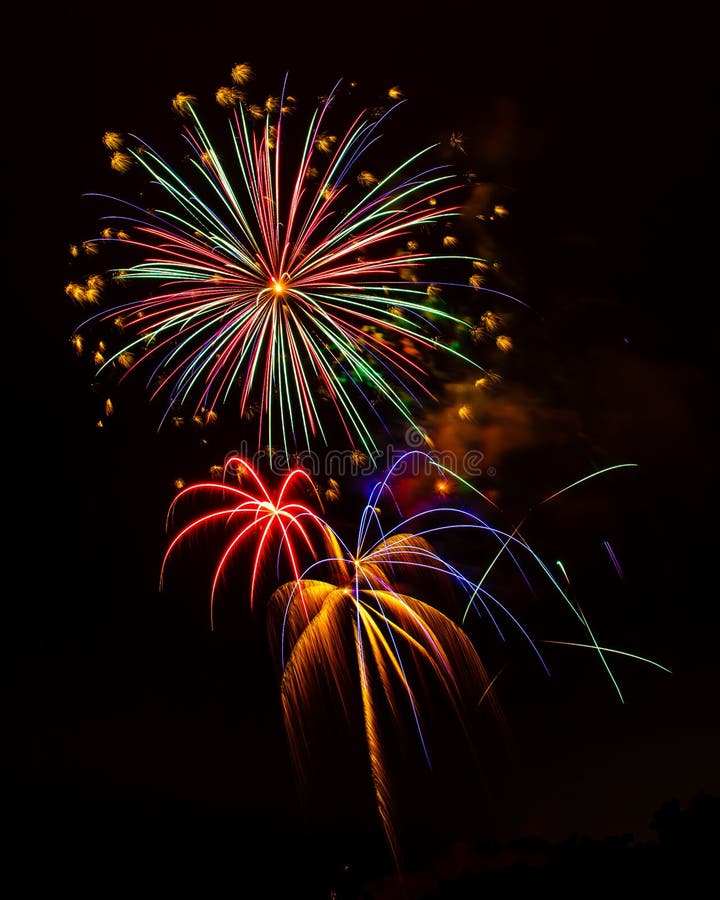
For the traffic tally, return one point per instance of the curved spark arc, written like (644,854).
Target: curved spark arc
(507,538)
(277,517)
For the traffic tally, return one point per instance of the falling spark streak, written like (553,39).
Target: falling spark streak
(613,558)
(587,478)
(644,659)
(600,654)
(490,685)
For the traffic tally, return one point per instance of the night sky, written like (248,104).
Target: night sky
(133,732)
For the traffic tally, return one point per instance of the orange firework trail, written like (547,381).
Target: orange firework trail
(403,648)
(367,639)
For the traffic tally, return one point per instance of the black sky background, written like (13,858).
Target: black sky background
(128,724)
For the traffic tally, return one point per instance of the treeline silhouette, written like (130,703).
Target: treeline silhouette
(59,839)
(682,857)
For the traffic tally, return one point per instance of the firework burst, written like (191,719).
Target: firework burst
(373,639)
(283,273)
(363,643)
(254,515)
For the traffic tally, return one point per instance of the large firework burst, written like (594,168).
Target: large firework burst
(282,273)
